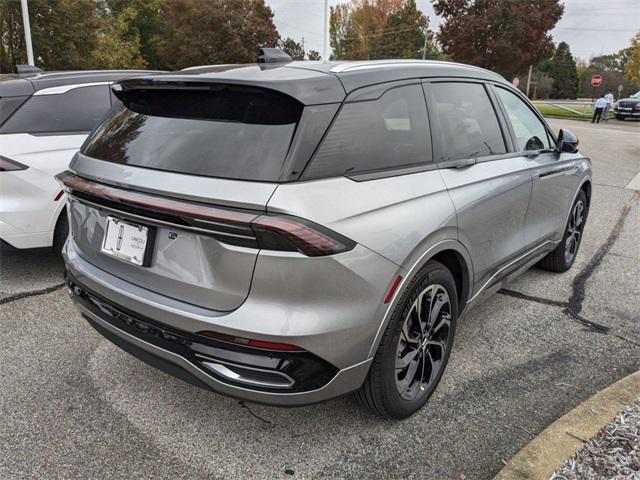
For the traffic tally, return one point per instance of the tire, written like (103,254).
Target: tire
(559,260)
(620,117)
(61,232)
(389,390)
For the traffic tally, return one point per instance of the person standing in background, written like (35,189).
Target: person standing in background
(597,112)
(609,99)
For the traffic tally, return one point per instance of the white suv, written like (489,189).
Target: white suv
(44,119)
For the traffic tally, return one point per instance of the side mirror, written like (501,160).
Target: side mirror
(567,142)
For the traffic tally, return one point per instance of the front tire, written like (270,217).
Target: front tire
(415,347)
(620,117)
(562,258)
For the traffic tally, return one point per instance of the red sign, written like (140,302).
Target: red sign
(596,80)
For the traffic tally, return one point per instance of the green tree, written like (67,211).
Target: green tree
(196,32)
(370,29)
(143,23)
(313,55)
(69,35)
(117,44)
(632,66)
(562,69)
(505,36)
(292,48)
(11,36)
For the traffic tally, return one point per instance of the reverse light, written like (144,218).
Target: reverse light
(249,342)
(8,165)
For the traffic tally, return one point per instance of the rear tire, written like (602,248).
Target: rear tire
(61,232)
(562,258)
(415,347)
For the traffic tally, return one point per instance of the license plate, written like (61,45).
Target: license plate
(126,241)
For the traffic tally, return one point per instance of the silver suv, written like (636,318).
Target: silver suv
(290,232)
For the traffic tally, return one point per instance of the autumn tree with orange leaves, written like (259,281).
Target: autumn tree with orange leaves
(371,29)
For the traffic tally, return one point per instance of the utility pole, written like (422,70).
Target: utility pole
(27,33)
(424,47)
(303,50)
(529,80)
(325,28)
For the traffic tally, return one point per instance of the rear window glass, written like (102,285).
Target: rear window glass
(78,110)
(390,132)
(8,105)
(466,122)
(231,132)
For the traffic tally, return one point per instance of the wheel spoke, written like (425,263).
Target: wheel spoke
(407,334)
(409,376)
(404,361)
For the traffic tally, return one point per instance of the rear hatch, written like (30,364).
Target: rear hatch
(192,166)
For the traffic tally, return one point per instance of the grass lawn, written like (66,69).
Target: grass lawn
(560,112)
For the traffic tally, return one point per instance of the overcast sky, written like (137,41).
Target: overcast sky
(590,27)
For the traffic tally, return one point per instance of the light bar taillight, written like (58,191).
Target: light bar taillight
(8,165)
(271,231)
(249,342)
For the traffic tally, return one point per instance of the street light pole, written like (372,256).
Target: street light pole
(27,32)
(324,30)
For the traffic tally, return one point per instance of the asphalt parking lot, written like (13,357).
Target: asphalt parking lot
(75,406)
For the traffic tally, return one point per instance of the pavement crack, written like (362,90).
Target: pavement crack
(533,298)
(580,280)
(31,293)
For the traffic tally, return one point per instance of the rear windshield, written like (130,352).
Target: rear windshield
(219,131)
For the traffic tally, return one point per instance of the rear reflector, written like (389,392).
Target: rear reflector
(271,231)
(8,165)
(285,347)
(58,196)
(393,289)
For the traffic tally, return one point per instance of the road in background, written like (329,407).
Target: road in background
(74,405)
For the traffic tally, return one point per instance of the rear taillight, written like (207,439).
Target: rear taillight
(8,165)
(237,227)
(275,232)
(249,342)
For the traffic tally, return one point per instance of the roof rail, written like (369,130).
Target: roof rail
(273,55)
(27,70)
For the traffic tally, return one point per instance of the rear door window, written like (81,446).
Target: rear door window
(78,110)
(465,122)
(223,131)
(389,132)
(530,132)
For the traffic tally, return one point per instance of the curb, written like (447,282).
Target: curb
(541,457)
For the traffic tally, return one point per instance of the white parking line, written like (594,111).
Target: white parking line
(634,184)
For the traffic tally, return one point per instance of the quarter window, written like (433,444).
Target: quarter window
(389,132)
(530,132)
(78,110)
(466,121)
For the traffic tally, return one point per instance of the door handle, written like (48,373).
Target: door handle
(570,170)
(465,162)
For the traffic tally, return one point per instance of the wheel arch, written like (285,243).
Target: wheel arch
(450,253)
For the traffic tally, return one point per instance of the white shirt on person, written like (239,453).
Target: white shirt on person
(601,103)
(609,98)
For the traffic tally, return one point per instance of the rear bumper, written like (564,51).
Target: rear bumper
(160,353)
(328,370)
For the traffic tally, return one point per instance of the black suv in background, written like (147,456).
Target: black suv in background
(628,107)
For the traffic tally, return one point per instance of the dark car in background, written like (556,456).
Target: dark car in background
(628,107)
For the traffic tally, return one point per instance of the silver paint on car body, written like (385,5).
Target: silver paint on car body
(498,215)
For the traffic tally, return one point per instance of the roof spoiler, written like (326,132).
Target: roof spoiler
(273,55)
(27,70)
